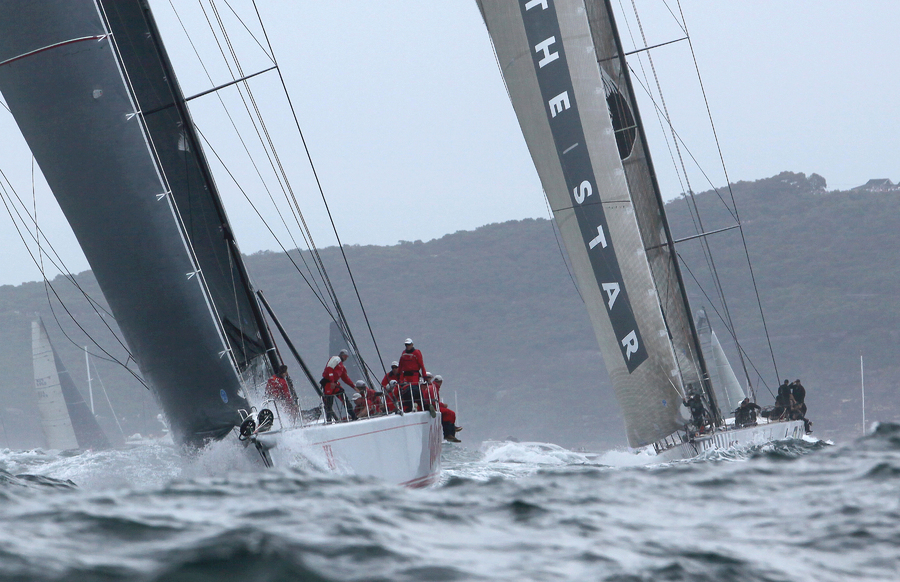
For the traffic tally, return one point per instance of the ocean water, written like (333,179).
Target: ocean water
(793,511)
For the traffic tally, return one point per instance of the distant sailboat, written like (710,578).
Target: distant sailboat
(566,75)
(65,416)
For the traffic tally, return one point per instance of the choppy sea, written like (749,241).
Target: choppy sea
(794,511)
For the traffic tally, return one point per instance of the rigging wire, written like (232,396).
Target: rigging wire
(319,185)
(699,222)
(288,191)
(731,191)
(7,202)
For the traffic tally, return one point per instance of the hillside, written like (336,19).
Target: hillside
(496,313)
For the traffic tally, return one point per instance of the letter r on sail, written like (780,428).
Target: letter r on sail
(630,343)
(544,47)
(600,239)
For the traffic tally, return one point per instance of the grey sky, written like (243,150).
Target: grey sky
(413,136)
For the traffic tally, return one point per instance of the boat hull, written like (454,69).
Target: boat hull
(405,450)
(735,438)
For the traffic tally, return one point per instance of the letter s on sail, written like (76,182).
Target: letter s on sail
(582,191)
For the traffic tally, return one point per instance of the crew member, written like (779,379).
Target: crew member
(745,415)
(411,368)
(334,373)
(394,374)
(280,388)
(411,365)
(365,400)
(699,415)
(799,394)
(448,422)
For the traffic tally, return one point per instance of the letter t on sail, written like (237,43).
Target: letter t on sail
(600,239)
(533,3)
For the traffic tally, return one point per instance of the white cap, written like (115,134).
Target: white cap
(360,384)
(438,378)
(395,364)
(429,375)
(344,353)
(408,341)
(356,396)
(392,383)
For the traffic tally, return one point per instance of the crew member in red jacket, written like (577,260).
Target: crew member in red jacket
(334,373)
(366,401)
(394,374)
(411,365)
(411,368)
(448,422)
(280,388)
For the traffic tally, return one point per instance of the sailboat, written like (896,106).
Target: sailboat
(96,98)
(66,419)
(566,75)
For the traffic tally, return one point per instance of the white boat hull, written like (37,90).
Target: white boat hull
(735,438)
(405,450)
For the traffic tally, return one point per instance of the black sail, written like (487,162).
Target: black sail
(135,188)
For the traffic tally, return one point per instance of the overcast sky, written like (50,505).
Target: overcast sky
(413,136)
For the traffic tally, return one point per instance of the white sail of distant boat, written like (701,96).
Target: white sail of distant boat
(66,419)
(567,77)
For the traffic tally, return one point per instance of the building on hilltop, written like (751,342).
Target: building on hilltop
(878,185)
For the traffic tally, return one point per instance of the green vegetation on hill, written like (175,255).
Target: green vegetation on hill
(496,313)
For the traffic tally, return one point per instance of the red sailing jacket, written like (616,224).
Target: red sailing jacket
(411,366)
(277,388)
(335,371)
(392,375)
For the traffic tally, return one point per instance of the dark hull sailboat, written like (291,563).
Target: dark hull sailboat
(96,98)
(566,75)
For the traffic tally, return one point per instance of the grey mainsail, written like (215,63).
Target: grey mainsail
(563,67)
(93,93)
(65,417)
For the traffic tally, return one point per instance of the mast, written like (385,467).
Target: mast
(670,241)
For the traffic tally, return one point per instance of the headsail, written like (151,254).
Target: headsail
(89,87)
(563,69)
(721,374)
(65,417)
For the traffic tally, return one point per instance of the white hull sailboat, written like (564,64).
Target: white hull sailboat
(92,89)
(568,79)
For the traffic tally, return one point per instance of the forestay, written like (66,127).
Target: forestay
(564,74)
(112,137)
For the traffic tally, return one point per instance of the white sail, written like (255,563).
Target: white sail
(51,403)
(721,374)
(562,69)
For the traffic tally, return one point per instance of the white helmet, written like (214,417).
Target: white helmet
(344,353)
(438,378)
(360,384)
(429,375)
(408,341)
